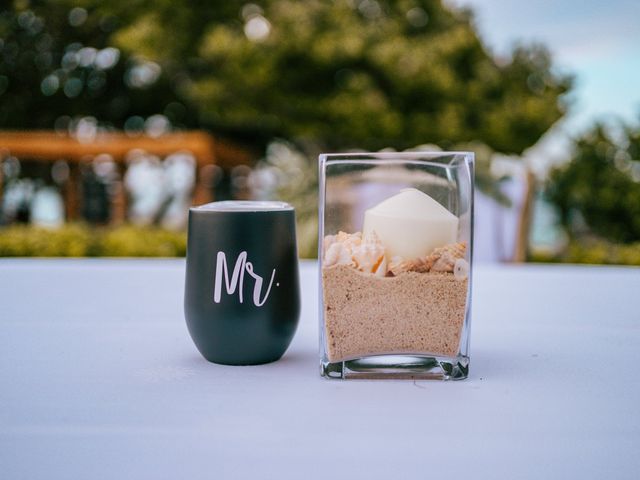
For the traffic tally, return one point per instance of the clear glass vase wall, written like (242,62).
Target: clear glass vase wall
(395,256)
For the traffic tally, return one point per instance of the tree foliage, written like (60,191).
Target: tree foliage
(600,186)
(58,61)
(335,74)
(353,74)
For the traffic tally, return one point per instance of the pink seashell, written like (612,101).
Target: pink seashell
(445,257)
(420,265)
(442,259)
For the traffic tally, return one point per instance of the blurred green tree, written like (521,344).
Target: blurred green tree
(598,191)
(347,73)
(327,75)
(57,62)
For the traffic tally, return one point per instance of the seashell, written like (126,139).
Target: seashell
(327,241)
(395,266)
(369,256)
(349,240)
(461,269)
(381,271)
(442,259)
(366,254)
(445,257)
(419,265)
(337,254)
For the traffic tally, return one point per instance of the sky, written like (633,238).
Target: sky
(597,41)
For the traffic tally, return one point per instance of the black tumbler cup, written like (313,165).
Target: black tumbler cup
(242,294)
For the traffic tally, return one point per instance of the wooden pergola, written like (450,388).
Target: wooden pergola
(49,146)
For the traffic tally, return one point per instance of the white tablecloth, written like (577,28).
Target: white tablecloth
(99,380)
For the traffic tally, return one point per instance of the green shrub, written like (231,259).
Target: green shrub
(594,252)
(79,240)
(26,241)
(130,241)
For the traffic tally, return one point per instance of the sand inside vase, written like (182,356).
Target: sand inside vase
(419,313)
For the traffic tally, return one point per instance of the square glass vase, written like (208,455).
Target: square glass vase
(395,263)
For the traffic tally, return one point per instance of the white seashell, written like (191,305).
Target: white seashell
(370,255)
(336,248)
(395,266)
(349,240)
(461,269)
(381,271)
(337,254)
(372,238)
(366,254)
(395,261)
(327,241)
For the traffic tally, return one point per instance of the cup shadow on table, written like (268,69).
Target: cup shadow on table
(299,357)
(289,359)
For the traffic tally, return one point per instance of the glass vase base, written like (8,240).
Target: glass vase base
(399,367)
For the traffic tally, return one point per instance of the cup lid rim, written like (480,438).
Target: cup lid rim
(243,206)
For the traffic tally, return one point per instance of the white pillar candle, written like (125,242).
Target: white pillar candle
(411,224)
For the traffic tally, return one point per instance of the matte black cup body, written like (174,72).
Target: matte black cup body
(242,294)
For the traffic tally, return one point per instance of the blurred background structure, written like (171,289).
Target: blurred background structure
(116,116)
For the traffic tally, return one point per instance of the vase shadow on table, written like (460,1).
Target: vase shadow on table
(501,365)
(485,364)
